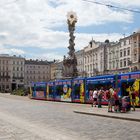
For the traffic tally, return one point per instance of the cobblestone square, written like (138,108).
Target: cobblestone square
(25,119)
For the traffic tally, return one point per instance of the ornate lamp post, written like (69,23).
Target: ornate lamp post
(70,63)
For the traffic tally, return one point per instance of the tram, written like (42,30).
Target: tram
(39,90)
(78,90)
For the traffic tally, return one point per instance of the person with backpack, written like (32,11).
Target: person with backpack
(100,95)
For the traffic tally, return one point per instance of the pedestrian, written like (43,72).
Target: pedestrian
(132,97)
(110,99)
(91,97)
(95,96)
(100,94)
(116,100)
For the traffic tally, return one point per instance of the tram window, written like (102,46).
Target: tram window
(33,88)
(125,86)
(59,90)
(91,87)
(50,89)
(39,88)
(77,89)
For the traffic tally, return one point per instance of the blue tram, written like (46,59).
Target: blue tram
(50,88)
(78,89)
(63,90)
(99,82)
(39,90)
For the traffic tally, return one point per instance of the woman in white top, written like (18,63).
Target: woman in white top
(95,96)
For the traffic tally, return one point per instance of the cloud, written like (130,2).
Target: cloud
(46,56)
(34,23)
(11,51)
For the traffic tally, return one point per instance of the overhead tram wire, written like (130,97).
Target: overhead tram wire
(112,6)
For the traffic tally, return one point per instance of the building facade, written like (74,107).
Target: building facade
(129,53)
(135,51)
(37,71)
(113,61)
(102,58)
(80,62)
(56,70)
(11,72)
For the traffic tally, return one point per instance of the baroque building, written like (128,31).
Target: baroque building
(102,58)
(37,71)
(80,62)
(129,53)
(11,72)
(56,70)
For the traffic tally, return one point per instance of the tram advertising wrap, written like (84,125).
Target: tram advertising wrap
(50,91)
(96,83)
(78,94)
(40,90)
(127,82)
(63,89)
(80,89)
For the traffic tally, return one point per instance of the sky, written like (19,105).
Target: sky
(37,29)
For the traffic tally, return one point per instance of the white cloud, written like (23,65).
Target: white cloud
(46,56)
(31,23)
(12,51)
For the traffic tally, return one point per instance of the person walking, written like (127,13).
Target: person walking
(132,97)
(95,96)
(100,95)
(91,97)
(116,100)
(110,99)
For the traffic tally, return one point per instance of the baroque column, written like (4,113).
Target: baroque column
(70,63)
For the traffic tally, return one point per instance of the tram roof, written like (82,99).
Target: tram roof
(101,77)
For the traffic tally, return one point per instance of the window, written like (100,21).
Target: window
(128,51)
(120,54)
(121,63)
(135,57)
(124,62)
(124,42)
(21,74)
(124,52)
(128,62)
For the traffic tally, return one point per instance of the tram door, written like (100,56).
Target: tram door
(78,94)
(50,91)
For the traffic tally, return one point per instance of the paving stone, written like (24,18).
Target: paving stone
(25,119)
